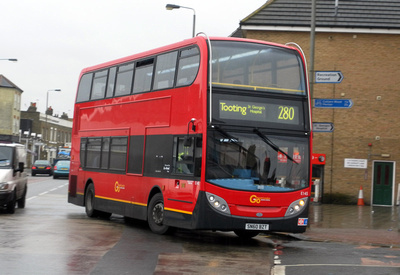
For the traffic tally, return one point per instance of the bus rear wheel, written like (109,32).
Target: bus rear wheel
(155,215)
(89,202)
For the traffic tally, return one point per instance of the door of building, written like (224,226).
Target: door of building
(383,179)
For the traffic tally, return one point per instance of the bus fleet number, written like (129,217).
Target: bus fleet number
(286,113)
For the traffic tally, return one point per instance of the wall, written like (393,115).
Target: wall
(370,64)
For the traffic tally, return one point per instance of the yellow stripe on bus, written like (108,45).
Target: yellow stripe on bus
(111,199)
(259,87)
(143,204)
(179,211)
(125,201)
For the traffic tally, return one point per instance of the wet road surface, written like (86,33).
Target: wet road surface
(51,236)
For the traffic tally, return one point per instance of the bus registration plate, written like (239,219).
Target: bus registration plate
(257,226)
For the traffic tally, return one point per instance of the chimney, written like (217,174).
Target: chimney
(32,108)
(49,111)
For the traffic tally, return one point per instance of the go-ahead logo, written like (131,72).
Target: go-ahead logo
(255,199)
(118,187)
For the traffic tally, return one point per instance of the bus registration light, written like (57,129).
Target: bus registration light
(218,203)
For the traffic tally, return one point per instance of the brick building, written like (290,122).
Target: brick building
(361,39)
(45,133)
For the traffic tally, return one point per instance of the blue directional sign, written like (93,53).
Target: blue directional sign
(328,77)
(332,103)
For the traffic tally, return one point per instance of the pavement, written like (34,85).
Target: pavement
(363,225)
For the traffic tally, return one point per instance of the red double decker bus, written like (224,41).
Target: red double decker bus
(207,133)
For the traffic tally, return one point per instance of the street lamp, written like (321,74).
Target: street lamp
(172,7)
(9,59)
(47,98)
(47,107)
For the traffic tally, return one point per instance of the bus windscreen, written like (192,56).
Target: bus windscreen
(257,67)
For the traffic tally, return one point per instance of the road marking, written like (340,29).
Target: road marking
(279,270)
(46,192)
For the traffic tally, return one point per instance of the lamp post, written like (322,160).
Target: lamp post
(47,107)
(172,7)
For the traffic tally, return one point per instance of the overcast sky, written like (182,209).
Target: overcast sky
(54,40)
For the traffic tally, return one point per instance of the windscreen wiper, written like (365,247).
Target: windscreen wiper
(224,133)
(272,145)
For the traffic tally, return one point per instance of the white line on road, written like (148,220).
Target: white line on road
(46,192)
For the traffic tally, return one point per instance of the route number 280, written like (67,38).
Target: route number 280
(286,113)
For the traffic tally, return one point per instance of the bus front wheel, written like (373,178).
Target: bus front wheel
(155,215)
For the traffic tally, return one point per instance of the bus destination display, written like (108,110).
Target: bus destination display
(260,112)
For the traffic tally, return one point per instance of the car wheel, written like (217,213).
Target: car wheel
(33,174)
(155,215)
(54,177)
(11,204)
(22,200)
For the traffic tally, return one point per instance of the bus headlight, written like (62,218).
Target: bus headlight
(296,206)
(218,203)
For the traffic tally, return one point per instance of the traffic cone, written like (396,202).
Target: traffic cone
(360,197)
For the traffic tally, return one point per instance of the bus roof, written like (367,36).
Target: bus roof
(184,43)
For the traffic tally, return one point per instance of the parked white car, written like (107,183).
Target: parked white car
(13,179)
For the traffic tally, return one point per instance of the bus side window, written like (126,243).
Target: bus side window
(93,153)
(165,71)
(123,85)
(118,153)
(187,156)
(105,152)
(188,67)
(111,82)
(84,88)
(99,85)
(143,76)
(82,155)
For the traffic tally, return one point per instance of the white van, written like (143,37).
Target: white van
(13,179)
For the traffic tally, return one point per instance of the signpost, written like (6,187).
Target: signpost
(321,127)
(332,103)
(328,77)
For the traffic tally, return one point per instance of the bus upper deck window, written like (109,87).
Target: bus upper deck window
(143,76)
(189,63)
(84,88)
